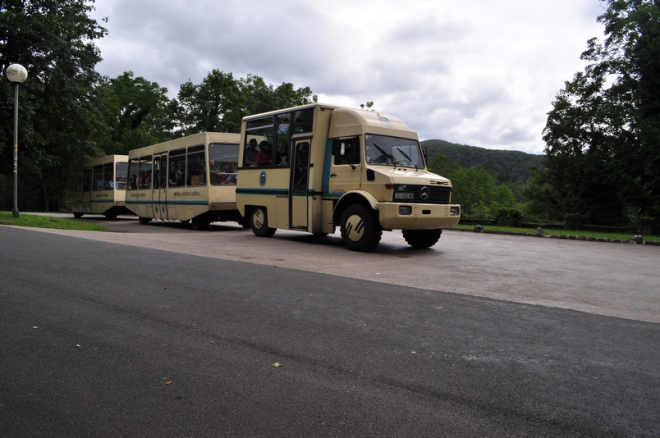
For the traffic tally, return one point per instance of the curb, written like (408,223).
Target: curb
(560,236)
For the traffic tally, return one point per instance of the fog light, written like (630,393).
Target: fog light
(454,211)
(405,210)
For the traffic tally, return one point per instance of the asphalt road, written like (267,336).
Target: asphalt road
(169,332)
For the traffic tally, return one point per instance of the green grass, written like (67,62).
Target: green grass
(595,234)
(37,221)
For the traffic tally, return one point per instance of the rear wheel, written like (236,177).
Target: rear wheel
(360,229)
(259,222)
(422,238)
(77,215)
(244,222)
(200,223)
(144,220)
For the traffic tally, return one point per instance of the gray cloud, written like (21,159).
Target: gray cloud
(482,73)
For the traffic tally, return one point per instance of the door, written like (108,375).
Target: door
(345,166)
(299,184)
(159,187)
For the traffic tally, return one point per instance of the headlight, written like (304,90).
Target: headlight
(454,211)
(405,210)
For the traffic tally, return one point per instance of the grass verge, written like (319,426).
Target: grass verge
(595,234)
(37,221)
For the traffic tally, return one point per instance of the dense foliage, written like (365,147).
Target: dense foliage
(603,133)
(53,40)
(68,111)
(475,189)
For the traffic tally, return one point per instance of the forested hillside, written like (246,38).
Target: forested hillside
(504,165)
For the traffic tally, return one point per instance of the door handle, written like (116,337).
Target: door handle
(333,174)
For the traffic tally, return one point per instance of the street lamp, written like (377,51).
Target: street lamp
(17,74)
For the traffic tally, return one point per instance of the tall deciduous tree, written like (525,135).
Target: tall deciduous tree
(54,40)
(603,133)
(220,101)
(136,113)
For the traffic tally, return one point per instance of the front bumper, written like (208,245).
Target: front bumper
(393,216)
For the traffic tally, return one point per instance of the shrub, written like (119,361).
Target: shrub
(509,217)
(573,221)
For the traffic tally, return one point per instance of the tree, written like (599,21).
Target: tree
(220,102)
(54,40)
(474,188)
(210,106)
(603,133)
(136,113)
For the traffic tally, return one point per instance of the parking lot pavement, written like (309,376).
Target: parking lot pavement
(601,278)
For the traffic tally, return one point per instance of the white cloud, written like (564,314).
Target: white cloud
(480,72)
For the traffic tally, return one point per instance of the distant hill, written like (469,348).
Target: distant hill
(505,165)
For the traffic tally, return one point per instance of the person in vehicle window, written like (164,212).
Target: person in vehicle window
(251,153)
(282,153)
(264,154)
(180,175)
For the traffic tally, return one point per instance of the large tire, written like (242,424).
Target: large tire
(245,222)
(360,229)
(111,216)
(200,223)
(77,215)
(144,220)
(422,238)
(259,222)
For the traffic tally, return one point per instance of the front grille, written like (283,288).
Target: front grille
(436,195)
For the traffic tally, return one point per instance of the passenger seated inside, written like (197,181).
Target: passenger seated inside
(264,154)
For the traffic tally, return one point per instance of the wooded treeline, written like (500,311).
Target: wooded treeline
(603,134)
(67,111)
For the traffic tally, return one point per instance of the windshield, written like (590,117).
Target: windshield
(393,151)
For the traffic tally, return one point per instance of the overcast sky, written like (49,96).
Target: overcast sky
(476,72)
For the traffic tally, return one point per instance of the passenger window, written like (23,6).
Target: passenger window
(97,178)
(223,160)
(177,171)
(196,166)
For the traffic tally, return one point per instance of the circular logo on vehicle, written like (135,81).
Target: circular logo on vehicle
(262,178)
(424,193)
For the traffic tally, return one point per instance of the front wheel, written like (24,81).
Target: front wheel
(360,229)
(259,223)
(422,238)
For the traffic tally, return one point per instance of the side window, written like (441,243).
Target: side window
(97,178)
(144,174)
(259,134)
(122,171)
(133,171)
(303,120)
(346,150)
(223,161)
(87,180)
(177,171)
(108,177)
(196,166)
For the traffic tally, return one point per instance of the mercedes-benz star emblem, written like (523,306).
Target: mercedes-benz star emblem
(424,193)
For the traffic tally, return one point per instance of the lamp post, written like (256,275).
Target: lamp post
(17,74)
